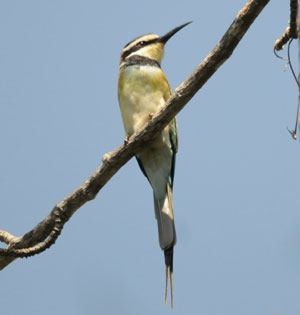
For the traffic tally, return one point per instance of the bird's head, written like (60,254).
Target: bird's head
(149,45)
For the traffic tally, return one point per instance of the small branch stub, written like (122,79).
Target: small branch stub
(292,30)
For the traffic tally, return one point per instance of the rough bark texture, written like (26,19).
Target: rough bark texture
(292,30)
(113,161)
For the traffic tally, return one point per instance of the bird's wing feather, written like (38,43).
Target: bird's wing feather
(173,138)
(174,144)
(142,167)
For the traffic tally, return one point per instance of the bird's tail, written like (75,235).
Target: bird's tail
(169,272)
(167,234)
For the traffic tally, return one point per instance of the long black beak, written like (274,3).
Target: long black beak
(166,37)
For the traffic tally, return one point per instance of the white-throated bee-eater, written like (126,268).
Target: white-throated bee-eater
(143,91)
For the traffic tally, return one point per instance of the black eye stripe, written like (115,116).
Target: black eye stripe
(138,46)
(148,42)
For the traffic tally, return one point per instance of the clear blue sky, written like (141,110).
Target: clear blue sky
(236,190)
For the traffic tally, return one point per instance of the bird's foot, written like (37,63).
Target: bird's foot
(151,116)
(126,140)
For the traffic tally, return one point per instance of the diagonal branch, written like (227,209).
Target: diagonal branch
(113,161)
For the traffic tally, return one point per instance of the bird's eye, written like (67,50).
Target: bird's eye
(142,43)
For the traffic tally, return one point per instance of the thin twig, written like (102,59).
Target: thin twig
(292,30)
(293,19)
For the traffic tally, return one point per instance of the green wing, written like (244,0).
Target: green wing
(174,146)
(173,139)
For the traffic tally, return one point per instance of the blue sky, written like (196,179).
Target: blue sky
(236,192)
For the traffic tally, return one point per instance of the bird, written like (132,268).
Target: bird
(143,90)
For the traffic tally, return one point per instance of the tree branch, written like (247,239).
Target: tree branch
(291,31)
(113,161)
(7,238)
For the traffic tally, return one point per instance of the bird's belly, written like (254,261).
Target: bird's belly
(137,111)
(139,99)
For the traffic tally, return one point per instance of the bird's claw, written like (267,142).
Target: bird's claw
(126,140)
